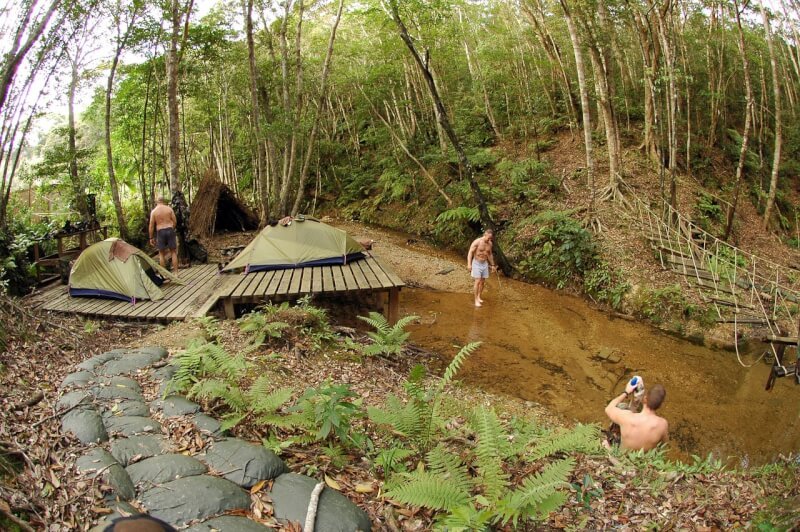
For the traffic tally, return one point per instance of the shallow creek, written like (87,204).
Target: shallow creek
(555,349)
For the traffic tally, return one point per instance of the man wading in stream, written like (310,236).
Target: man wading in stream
(646,429)
(479,260)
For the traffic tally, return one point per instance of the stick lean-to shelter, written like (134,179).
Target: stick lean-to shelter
(303,242)
(117,270)
(216,208)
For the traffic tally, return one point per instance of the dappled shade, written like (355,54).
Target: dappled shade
(216,208)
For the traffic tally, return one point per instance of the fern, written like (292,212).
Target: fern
(458,361)
(215,389)
(538,495)
(491,449)
(430,490)
(582,438)
(387,339)
(202,359)
(462,213)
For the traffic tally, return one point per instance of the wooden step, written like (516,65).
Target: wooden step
(727,303)
(692,272)
(721,287)
(744,320)
(674,259)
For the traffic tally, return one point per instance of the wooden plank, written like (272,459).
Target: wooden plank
(273,284)
(349,278)
(258,277)
(259,291)
(338,279)
(383,279)
(152,309)
(223,285)
(327,279)
(294,286)
(358,276)
(370,276)
(316,279)
(785,340)
(305,283)
(283,287)
(179,309)
(397,281)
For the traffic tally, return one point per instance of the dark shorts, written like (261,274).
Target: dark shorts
(165,239)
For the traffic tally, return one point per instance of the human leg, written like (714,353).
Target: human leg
(174,260)
(162,257)
(476,290)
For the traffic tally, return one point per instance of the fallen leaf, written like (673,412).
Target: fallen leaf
(258,487)
(365,487)
(332,483)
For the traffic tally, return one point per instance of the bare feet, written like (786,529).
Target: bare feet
(478,303)
(480,300)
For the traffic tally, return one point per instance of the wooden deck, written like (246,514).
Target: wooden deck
(178,303)
(367,275)
(205,288)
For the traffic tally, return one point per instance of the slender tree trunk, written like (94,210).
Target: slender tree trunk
(260,155)
(585,106)
(78,191)
(747,122)
(483,208)
(323,91)
(776,91)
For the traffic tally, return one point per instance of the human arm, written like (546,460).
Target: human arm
(492,263)
(173,218)
(618,415)
(471,253)
(152,227)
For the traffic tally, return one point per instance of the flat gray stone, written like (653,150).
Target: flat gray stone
(120,382)
(153,353)
(78,379)
(132,425)
(100,463)
(111,392)
(175,405)
(165,373)
(190,498)
(142,446)
(291,494)
(86,424)
(228,523)
(127,408)
(98,360)
(164,468)
(127,365)
(208,424)
(244,463)
(70,399)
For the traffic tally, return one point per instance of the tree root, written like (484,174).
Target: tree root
(613,193)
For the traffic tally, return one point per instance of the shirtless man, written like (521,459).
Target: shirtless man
(646,429)
(479,260)
(162,233)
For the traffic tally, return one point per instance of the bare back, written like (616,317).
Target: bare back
(643,431)
(163,217)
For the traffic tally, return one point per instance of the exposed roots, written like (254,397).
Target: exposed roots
(613,193)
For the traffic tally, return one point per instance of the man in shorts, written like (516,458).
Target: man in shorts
(479,261)
(162,233)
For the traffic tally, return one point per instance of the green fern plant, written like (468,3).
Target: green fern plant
(387,339)
(261,327)
(210,326)
(475,491)
(202,360)
(417,420)
(331,409)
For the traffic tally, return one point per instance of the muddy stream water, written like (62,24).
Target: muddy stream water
(555,349)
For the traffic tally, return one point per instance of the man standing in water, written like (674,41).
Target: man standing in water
(646,429)
(162,233)
(479,260)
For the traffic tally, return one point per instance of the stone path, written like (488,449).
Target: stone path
(115,406)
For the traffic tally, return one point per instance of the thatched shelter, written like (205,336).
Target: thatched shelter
(216,208)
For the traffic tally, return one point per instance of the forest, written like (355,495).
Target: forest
(576,130)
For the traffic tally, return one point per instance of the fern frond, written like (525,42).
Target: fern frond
(229,421)
(216,389)
(491,448)
(402,322)
(377,321)
(458,361)
(585,438)
(538,493)
(466,519)
(449,465)
(270,402)
(429,490)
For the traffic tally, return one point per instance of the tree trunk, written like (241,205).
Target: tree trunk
(78,190)
(320,104)
(747,122)
(585,107)
(776,91)
(483,208)
(261,173)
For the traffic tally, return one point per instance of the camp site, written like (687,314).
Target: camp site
(496,265)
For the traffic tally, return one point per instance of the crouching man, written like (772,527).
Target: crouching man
(643,430)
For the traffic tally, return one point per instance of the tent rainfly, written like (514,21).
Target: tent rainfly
(115,269)
(216,208)
(303,242)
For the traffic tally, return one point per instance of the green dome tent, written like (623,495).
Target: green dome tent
(301,243)
(117,270)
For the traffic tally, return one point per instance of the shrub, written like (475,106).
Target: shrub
(660,304)
(606,285)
